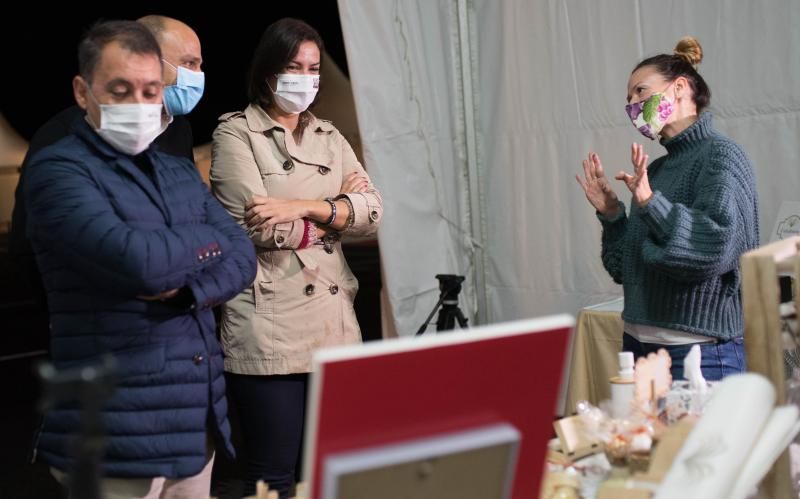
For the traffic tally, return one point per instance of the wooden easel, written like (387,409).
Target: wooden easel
(761,269)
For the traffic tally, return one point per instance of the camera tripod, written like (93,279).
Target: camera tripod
(449,286)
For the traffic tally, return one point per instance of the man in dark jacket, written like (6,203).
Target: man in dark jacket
(134,252)
(182,60)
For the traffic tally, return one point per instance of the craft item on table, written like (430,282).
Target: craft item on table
(263,491)
(575,442)
(560,485)
(789,338)
(620,437)
(779,431)
(622,386)
(682,401)
(692,371)
(713,459)
(623,488)
(664,453)
(556,456)
(639,451)
(653,379)
(617,450)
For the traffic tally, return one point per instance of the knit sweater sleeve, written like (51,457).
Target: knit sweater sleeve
(613,241)
(696,241)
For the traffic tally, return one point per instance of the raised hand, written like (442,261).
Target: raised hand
(595,185)
(638,183)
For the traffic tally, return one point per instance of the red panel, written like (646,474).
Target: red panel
(393,397)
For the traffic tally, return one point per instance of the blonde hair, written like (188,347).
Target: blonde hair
(689,49)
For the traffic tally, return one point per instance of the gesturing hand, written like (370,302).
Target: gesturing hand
(264,211)
(595,185)
(638,183)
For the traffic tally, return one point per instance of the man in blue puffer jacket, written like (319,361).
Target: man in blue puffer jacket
(134,252)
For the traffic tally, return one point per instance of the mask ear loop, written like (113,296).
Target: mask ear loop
(91,96)
(675,92)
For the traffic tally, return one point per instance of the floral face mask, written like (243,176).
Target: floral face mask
(650,115)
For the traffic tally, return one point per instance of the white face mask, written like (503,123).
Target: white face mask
(130,128)
(294,93)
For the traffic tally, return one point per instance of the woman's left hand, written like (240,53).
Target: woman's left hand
(265,211)
(354,183)
(637,183)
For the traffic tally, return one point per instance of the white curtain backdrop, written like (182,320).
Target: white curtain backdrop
(548,81)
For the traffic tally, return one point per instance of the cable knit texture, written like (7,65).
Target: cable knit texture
(678,257)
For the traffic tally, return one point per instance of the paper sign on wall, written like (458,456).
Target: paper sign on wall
(787,223)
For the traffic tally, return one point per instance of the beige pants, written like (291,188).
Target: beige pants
(193,487)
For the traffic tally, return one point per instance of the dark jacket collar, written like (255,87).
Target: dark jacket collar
(111,156)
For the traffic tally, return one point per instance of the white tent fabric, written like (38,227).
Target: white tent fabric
(549,85)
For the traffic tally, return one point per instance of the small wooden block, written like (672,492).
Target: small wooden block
(573,442)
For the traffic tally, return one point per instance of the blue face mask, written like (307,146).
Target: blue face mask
(180,98)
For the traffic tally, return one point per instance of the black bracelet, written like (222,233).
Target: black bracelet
(333,211)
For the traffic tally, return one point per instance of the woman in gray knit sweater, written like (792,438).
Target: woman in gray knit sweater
(693,213)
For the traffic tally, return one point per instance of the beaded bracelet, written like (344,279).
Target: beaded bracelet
(351,217)
(333,212)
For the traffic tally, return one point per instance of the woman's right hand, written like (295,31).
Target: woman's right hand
(595,185)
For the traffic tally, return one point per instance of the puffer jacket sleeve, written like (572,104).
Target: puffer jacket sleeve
(69,213)
(235,179)
(235,268)
(368,205)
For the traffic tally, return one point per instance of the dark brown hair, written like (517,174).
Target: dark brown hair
(278,46)
(683,62)
(132,36)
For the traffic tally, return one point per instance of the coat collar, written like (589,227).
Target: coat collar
(259,121)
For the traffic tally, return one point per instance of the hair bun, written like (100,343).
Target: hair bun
(689,49)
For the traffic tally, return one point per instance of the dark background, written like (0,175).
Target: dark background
(40,53)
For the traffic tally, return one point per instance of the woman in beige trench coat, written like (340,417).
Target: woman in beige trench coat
(292,181)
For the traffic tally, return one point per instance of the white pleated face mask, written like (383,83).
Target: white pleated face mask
(294,93)
(130,128)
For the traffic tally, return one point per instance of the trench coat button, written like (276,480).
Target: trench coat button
(279,239)
(288,165)
(323,170)
(373,215)
(334,289)
(198,359)
(328,249)
(309,290)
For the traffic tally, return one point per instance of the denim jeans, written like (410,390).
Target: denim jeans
(718,359)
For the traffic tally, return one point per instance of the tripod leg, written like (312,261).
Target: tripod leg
(446,320)
(462,321)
